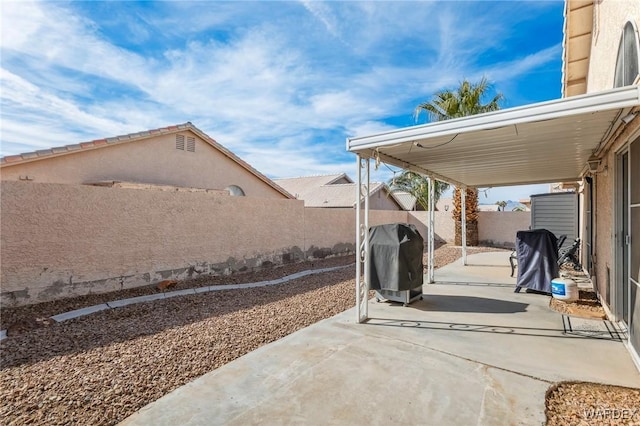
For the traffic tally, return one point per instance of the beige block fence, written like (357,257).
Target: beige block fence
(61,240)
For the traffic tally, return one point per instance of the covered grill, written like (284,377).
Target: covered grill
(537,252)
(396,262)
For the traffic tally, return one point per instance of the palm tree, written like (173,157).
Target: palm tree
(501,205)
(461,102)
(418,186)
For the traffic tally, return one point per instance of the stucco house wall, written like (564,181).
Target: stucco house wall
(610,16)
(605,238)
(382,200)
(153,160)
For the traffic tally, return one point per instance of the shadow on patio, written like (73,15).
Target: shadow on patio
(466,354)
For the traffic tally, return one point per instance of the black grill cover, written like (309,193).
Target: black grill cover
(537,253)
(396,257)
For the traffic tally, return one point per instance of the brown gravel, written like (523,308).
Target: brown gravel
(570,404)
(101,368)
(47,309)
(587,306)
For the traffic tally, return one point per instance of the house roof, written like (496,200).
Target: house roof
(538,143)
(323,191)
(578,29)
(303,186)
(406,200)
(43,154)
(341,195)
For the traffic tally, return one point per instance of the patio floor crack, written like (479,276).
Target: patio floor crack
(474,361)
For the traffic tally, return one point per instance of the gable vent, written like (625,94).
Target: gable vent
(191,144)
(180,142)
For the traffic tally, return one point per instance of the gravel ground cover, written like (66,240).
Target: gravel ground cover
(101,368)
(572,404)
(579,403)
(587,306)
(47,309)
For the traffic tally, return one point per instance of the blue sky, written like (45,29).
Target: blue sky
(281,84)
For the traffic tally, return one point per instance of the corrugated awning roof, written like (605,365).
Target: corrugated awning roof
(538,143)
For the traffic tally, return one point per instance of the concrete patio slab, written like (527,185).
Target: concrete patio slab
(472,353)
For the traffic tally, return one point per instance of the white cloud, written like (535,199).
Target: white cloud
(512,69)
(282,88)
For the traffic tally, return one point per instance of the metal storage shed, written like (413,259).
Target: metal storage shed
(558,213)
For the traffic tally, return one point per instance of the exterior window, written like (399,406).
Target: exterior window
(627,66)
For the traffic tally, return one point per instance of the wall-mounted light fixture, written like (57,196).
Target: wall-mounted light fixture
(596,166)
(627,118)
(593,163)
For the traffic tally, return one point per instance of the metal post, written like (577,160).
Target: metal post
(367,258)
(432,234)
(358,238)
(463,202)
(362,240)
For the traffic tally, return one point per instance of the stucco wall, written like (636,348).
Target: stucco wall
(443,224)
(606,230)
(499,228)
(383,201)
(334,230)
(326,229)
(610,16)
(155,160)
(59,240)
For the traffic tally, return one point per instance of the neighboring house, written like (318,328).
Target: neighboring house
(179,156)
(408,201)
(525,202)
(602,51)
(336,191)
(488,208)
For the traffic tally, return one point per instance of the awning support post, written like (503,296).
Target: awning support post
(463,206)
(362,240)
(432,235)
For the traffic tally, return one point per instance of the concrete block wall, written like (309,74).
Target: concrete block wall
(443,225)
(498,229)
(62,240)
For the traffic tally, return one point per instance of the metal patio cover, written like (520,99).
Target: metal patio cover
(537,143)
